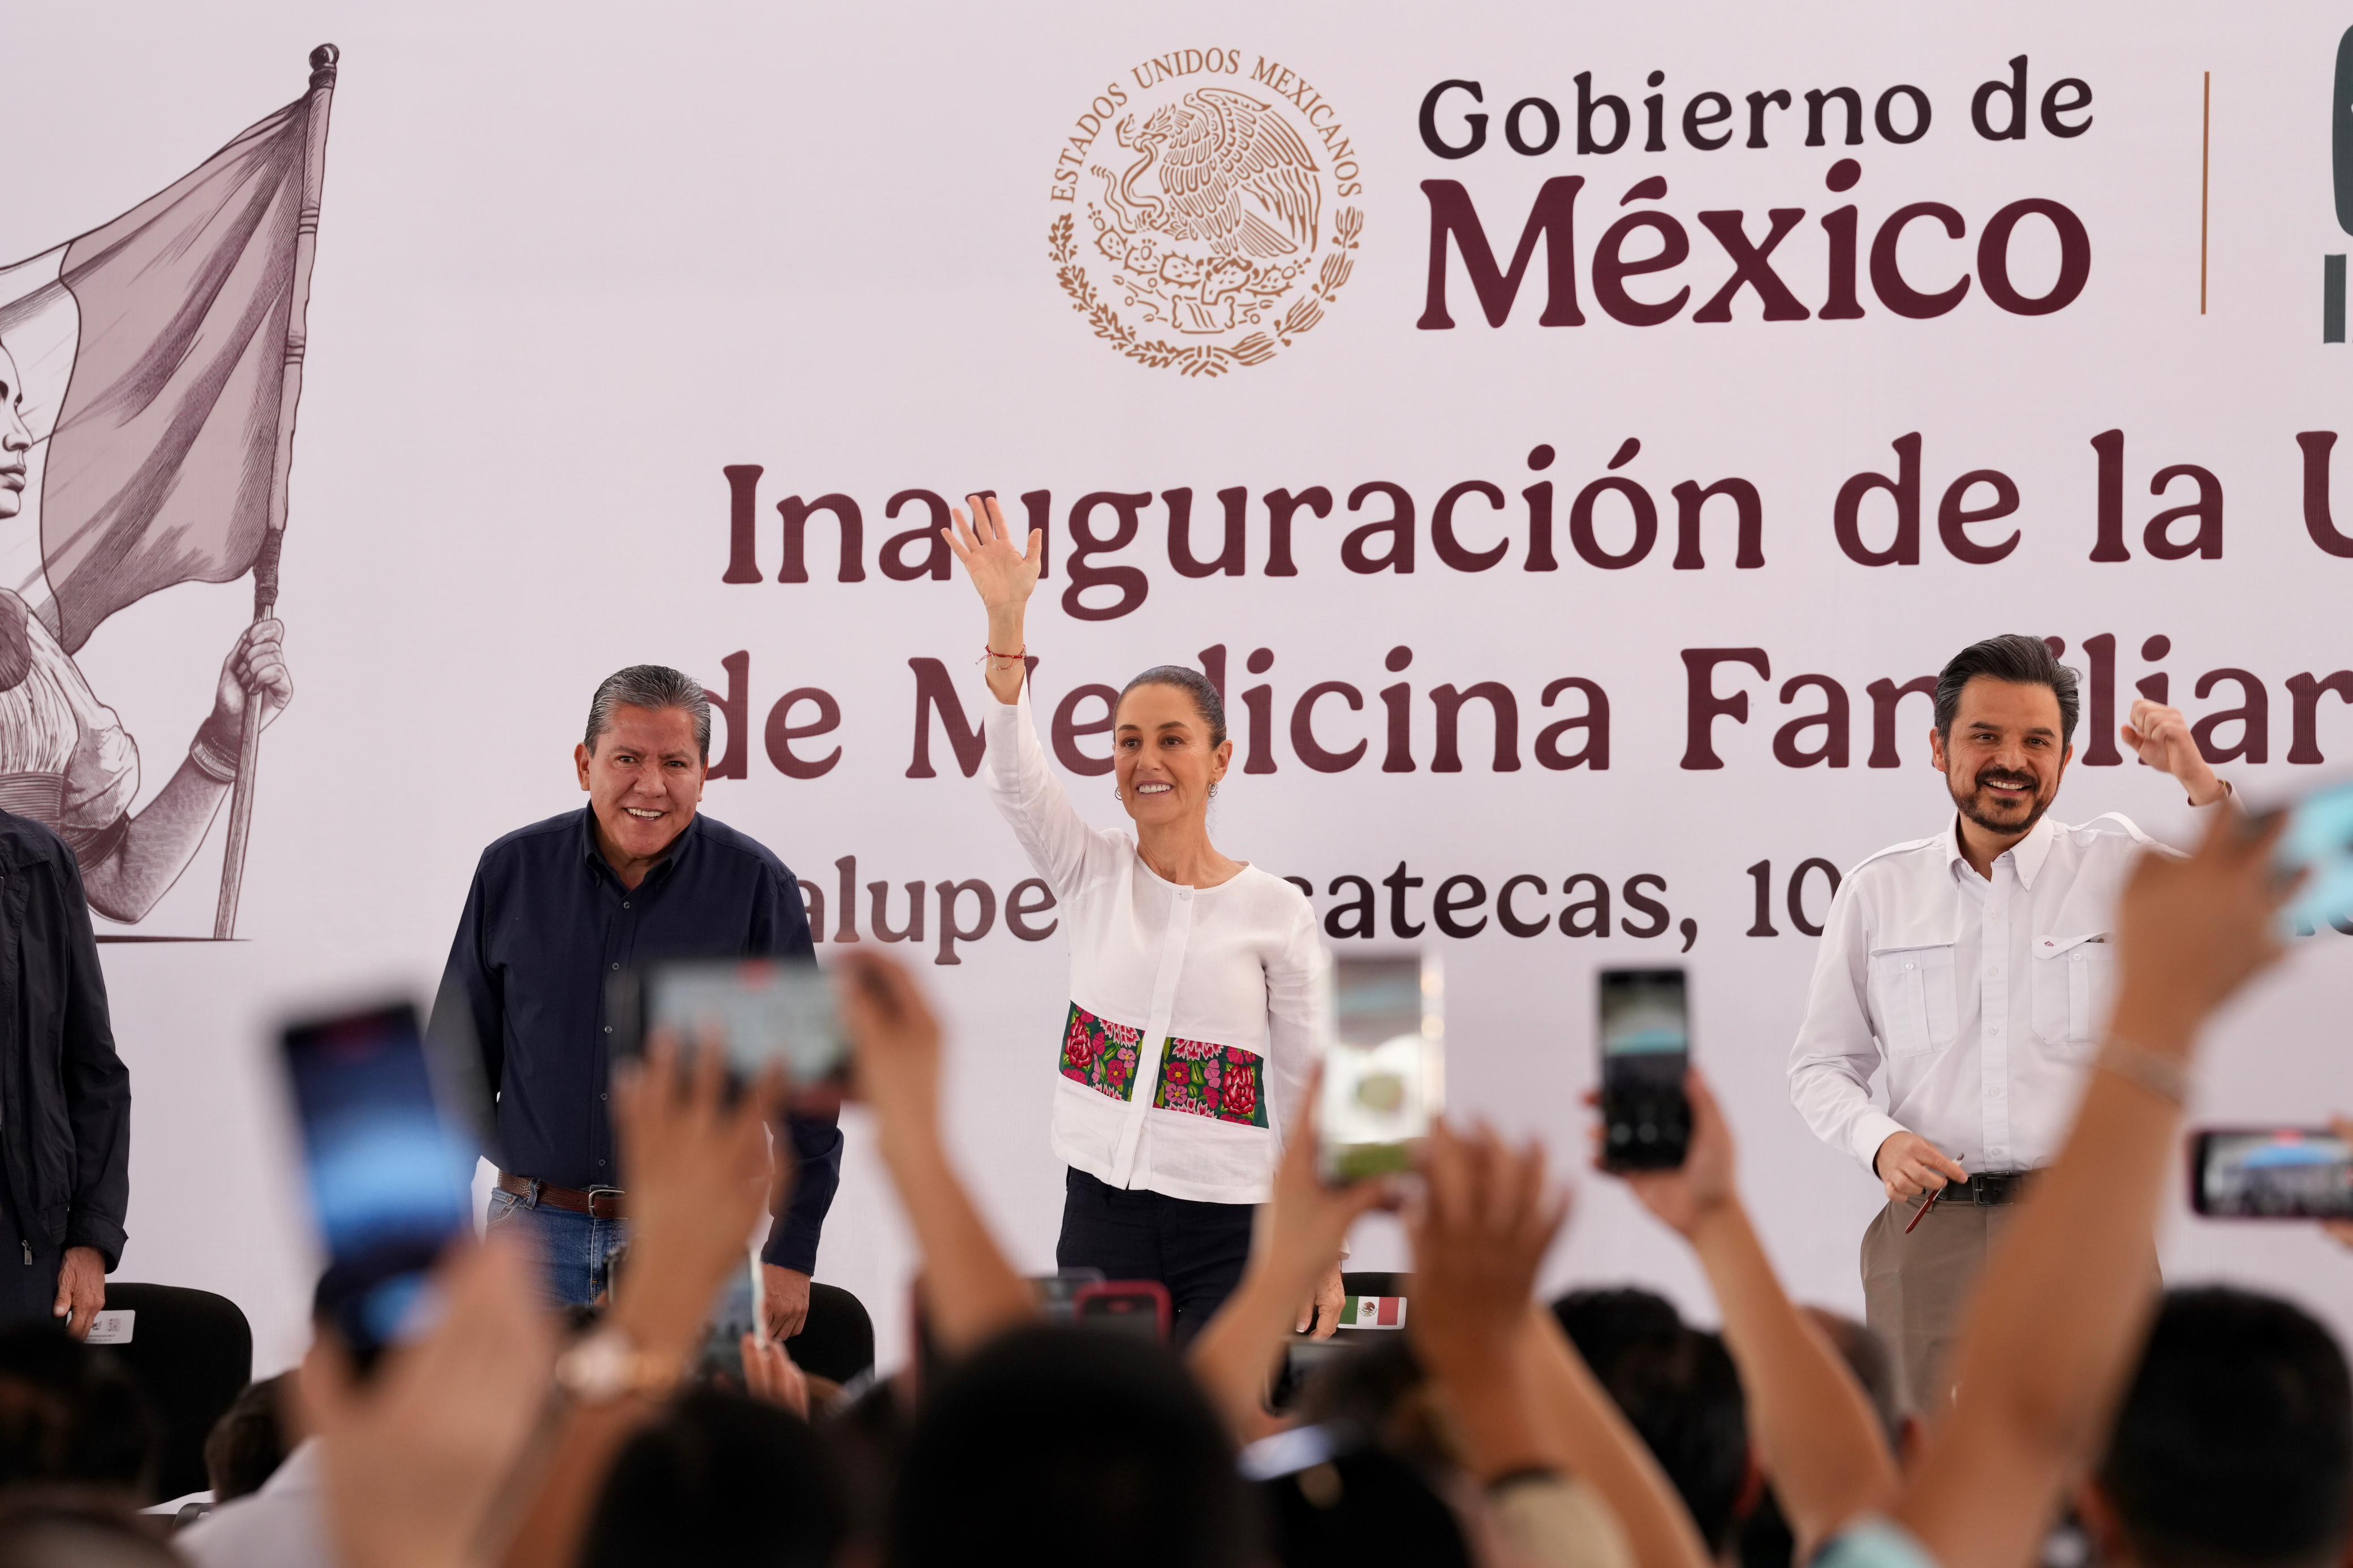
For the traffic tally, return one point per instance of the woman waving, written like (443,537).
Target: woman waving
(1199,987)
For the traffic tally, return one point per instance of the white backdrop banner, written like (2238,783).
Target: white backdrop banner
(1572,441)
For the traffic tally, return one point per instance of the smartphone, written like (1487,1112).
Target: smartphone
(1138,1307)
(1376,1107)
(761,1010)
(1645,1052)
(389,1161)
(1058,1293)
(2318,841)
(2279,1172)
(741,1308)
(1379,997)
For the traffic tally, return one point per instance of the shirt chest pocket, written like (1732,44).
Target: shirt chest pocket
(1912,999)
(2075,989)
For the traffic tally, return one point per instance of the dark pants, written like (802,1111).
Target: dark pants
(28,1281)
(1195,1249)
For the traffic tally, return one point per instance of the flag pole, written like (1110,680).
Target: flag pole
(323,61)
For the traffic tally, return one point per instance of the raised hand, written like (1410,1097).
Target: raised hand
(1706,1180)
(895,1063)
(2160,737)
(1487,1218)
(1005,576)
(1299,1231)
(2191,931)
(970,1291)
(1004,572)
(698,1180)
(1478,1236)
(416,1459)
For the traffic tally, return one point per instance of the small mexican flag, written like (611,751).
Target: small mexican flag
(1373,1313)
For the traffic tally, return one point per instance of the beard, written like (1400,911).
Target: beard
(2009,818)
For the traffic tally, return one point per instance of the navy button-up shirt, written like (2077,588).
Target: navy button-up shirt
(546,924)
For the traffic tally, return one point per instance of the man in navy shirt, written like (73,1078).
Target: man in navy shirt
(556,909)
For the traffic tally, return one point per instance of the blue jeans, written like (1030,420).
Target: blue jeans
(574,1249)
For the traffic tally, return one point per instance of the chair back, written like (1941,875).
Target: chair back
(837,1342)
(192,1353)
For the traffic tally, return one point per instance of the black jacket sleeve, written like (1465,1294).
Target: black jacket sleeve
(97,1085)
(470,1011)
(813,1142)
(816,1147)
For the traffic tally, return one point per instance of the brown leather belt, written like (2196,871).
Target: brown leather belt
(598,1202)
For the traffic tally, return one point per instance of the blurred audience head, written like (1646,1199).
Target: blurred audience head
(1063,1446)
(66,1527)
(1384,1493)
(1678,1388)
(70,1414)
(719,1478)
(1355,1504)
(251,1440)
(1381,1391)
(2235,1444)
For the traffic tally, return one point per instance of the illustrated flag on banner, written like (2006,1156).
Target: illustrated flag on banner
(152,352)
(155,363)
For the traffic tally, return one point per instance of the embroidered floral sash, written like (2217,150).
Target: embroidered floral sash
(1198,1077)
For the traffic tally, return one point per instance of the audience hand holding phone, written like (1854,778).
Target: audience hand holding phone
(1488,1215)
(417,1458)
(2065,1303)
(1816,1432)
(970,1291)
(700,1179)
(1301,1228)
(1703,1185)
(698,1165)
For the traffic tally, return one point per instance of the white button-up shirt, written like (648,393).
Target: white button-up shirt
(1980,999)
(1196,1014)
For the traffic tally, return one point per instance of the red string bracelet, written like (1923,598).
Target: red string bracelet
(989,652)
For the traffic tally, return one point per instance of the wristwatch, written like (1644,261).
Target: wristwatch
(607,1364)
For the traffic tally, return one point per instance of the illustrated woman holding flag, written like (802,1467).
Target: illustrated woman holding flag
(67,763)
(1201,995)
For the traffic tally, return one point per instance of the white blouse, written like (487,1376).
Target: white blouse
(1195,1014)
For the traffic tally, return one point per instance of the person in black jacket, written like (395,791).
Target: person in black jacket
(64,1095)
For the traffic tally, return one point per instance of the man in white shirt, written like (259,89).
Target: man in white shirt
(1973,969)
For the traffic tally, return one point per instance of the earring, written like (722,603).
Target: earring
(1213,792)
(1116,795)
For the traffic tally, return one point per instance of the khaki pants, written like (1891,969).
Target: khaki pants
(1917,1291)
